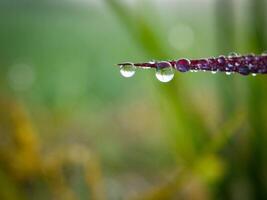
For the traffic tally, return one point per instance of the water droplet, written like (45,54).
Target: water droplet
(183,65)
(254,74)
(127,70)
(221,60)
(228,73)
(249,58)
(229,66)
(244,70)
(165,74)
(233,54)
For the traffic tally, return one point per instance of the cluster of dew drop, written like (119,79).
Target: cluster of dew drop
(165,70)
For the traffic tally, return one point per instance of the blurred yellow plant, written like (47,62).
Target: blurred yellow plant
(22,158)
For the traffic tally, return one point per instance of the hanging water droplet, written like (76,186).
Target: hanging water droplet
(228,73)
(254,74)
(165,74)
(127,70)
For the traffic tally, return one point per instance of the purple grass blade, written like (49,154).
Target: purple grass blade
(244,65)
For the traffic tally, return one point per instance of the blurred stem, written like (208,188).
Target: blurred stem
(257,105)
(186,139)
(227,132)
(139,30)
(225,25)
(258,23)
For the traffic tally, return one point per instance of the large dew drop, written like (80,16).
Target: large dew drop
(165,74)
(127,70)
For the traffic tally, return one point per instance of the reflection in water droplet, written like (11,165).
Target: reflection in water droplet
(127,70)
(254,74)
(228,73)
(165,74)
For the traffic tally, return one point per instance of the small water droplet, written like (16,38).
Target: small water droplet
(183,65)
(254,74)
(228,73)
(221,60)
(244,70)
(165,74)
(127,70)
(230,66)
(233,54)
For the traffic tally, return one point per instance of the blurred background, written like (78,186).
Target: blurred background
(72,128)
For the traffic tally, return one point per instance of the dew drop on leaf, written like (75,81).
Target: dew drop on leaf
(127,70)
(165,74)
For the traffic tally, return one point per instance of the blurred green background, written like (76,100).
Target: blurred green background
(72,128)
